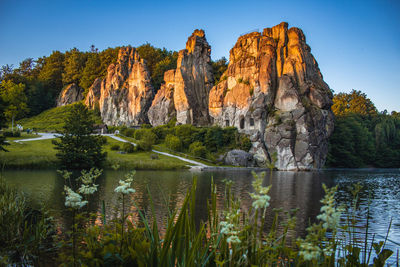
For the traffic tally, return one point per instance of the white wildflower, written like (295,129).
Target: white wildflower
(309,251)
(260,197)
(124,187)
(73,200)
(233,239)
(330,215)
(87,189)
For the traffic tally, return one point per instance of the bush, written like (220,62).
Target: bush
(198,150)
(214,138)
(147,141)
(115,147)
(128,148)
(173,142)
(161,132)
(185,133)
(129,132)
(244,142)
(141,133)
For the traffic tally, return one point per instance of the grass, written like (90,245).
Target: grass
(141,160)
(163,148)
(24,135)
(50,120)
(41,155)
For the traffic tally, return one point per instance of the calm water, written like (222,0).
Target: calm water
(302,190)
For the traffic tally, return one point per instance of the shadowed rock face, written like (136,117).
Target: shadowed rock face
(126,93)
(162,109)
(274,91)
(193,81)
(70,94)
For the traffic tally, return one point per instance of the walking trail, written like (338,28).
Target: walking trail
(44,136)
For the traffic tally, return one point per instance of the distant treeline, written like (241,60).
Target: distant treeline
(363,137)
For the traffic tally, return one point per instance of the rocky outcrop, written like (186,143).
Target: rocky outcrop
(126,92)
(193,81)
(184,94)
(273,90)
(162,109)
(70,94)
(93,96)
(239,158)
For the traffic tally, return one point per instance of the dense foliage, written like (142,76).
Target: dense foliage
(78,148)
(43,79)
(362,136)
(201,142)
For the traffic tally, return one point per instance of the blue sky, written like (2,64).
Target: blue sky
(356,43)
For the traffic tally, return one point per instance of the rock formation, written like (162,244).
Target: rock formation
(240,158)
(70,94)
(273,90)
(93,96)
(125,95)
(162,109)
(186,89)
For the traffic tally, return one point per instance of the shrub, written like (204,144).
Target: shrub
(173,142)
(185,132)
(244,142)
(128,148)
(129,132)
(161,132)
(198,150)
(142,133)
(214,139)
(147,141)
(115,147)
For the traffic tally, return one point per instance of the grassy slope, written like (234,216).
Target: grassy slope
(50,120)
(41,154)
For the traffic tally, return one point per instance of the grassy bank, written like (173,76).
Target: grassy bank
(41,155)
(50,120)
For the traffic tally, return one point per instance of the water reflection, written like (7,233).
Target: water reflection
(166,189)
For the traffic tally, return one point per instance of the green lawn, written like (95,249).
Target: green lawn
(24,135)
(50,120)
(41,154)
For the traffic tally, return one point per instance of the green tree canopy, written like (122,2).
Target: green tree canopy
(219,67)
(77,147)
(354,102)
(91,71)
(51,70)
(15,100)
(74,64)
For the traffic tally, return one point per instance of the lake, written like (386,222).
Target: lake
(290,190)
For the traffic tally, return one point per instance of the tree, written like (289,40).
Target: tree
(77,147)
(91,71)
(74,64)
(355,102)
(50,73)
(219,67)
(15,100)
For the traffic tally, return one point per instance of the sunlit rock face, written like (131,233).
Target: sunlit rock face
(184,94)
(273,90)
(193,81)
(70,94)
(126,93)
(162,109)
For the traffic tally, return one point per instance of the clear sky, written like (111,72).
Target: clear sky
(356,43)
